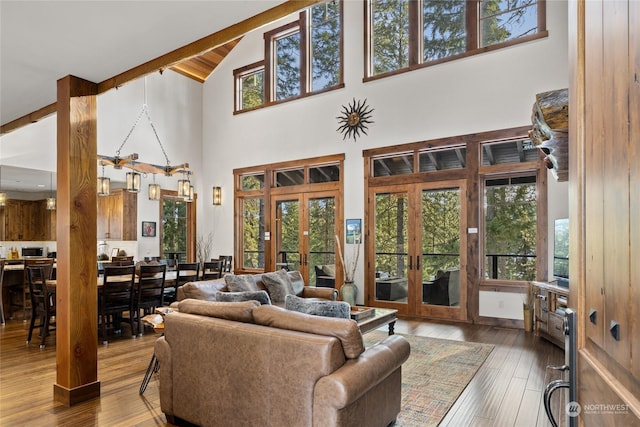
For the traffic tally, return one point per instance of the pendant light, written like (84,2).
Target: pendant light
(51,201)
(3,196)
(104,184)
(189,197)
(154,190)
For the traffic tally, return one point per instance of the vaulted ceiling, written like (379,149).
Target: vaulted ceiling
(113,42)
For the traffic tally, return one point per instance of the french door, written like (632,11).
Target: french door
(304,226)
(418,249)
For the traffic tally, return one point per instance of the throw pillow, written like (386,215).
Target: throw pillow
(204,290)
(297,282)
(261,296)
(329,270)
(339,309)
(278,285)
(240,283)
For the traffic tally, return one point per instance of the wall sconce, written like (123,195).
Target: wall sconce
(217,196)
(133,182)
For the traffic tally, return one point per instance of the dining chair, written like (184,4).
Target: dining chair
(185,272)
(43,305)
(115,297)
(149,290)
(26,298)
(122,260)
(212,269)
(228,263)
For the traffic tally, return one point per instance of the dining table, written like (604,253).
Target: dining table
(169,279)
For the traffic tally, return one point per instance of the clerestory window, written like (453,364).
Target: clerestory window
(407,34)
(302,58)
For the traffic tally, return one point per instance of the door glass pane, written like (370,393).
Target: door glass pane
(253,233)
(174,230)
(391,246)
(441,247)
(322,260)
(287,234)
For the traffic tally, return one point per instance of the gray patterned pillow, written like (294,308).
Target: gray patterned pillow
(339,309)
(297,282)
(261,296)
(240,283)
(278,285)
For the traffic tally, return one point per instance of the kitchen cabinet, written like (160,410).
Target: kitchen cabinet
(118,216)
(25,220)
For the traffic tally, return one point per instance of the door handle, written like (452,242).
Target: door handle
(410,262)
(417,262)
(305,259)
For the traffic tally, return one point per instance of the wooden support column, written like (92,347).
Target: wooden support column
(76,293)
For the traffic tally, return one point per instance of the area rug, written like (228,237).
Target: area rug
(433,377)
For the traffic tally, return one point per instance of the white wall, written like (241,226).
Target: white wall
(485,92)
(175,108)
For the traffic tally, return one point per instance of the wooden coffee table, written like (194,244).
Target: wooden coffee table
(380,317)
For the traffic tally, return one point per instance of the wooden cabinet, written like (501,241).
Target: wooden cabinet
(550,304)
(118,216)
(25,220)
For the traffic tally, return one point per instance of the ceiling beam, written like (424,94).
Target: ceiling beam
(172,58)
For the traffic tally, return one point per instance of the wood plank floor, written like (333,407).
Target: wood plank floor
(506,391)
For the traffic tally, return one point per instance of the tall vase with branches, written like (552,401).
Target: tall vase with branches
(349,291)
(203,247)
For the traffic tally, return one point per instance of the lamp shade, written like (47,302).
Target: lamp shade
(183,187)
(154,191)
(104,186)
(133,182)
(189,196)
(217,196)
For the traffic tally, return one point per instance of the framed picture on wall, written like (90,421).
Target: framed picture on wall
(148,229)
(354,231)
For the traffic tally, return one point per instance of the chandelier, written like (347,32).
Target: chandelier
(138,167)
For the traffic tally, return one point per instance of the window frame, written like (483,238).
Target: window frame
(238,75)
(303,25)
(416,43)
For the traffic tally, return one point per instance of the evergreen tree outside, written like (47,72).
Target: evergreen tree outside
(325,45)
(253,232)
(440,231)
(174,226)
(510,231)
(444,28)
(287,66)
(252,89)
(390,28)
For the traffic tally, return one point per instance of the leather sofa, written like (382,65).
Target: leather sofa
(207,289)
(246,364)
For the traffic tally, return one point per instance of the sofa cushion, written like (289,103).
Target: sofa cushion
(318,307)
(345,330)
(240,282)
(261,296)
(203,290)
(238,311)
(297,282)
(278,284)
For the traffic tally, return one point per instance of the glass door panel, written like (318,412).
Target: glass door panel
(391,246)
(441,247)
(287,234)
(321,226)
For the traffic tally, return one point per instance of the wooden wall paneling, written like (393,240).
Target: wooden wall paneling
(594,186)
(76,291)
(616,176)
(473,240)
(634,180)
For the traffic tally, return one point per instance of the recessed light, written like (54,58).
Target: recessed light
(40,185)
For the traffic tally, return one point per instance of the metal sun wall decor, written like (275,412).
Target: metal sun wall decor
(354,118)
